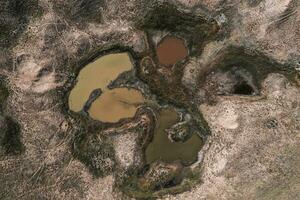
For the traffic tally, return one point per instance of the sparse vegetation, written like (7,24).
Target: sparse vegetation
(96,153)
(81,11)
(14,17)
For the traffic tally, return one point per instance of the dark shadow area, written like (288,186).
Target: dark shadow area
(243,89)
(11,137)
(3,93)
(10,132)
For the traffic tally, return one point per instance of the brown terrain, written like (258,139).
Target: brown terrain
(218,80)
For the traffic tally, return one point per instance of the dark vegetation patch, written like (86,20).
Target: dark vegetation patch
(53,32)
(236,81)
(243,70)
(95,151)
(136,186)
(81,12)
(93,96)
(166,17)
(14,17)
(3,93)
(6,61)
(258,64)
(166,83)
(10,134)
(84,46)
(10,137)
(126,79)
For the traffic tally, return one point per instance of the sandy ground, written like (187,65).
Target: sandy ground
(253,152)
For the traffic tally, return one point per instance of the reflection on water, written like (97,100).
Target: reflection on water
(116,104)
(171,50)
(97,74)
(161,148)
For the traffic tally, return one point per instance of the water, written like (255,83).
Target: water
(171,50)
(97,74)
(119,103)
(161,148)
(113,104)
(116,104)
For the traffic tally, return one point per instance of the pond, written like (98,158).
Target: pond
(98,74)
(119,103)
(116,104)
(161,148)
(171,50)
(113,104)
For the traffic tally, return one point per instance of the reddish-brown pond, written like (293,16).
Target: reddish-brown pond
(171,50)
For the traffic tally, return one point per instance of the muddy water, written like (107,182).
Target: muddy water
(171,50)
(116,104)
(97,74)
(161,148)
